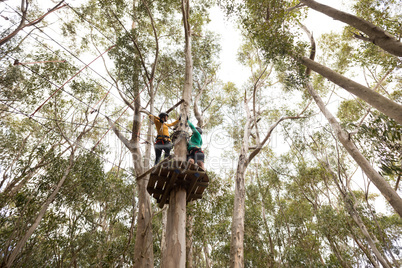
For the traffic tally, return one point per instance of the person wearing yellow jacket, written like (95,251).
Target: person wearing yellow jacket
(162,142)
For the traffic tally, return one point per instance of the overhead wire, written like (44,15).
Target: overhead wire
(93,26)
(76,58)
(51,129)
(40,106)
(62,89)
(58,120)
(68,51)
(75,55)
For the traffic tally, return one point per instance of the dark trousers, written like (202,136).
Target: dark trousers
(162,146)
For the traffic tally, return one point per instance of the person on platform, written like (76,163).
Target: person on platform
(162,142)
(194,152)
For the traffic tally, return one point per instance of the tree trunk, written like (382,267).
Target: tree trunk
(189,242)
(176,230)
(237,239)
(352,211)
(375,34)
(163,240)
(206,256)
(381,103)
(386,190)
(143,248)
(236,246)
(176,222)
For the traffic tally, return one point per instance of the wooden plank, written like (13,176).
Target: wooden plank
(155,167)
(195,196)
(177,173)
(157,192)
(202,184)
(167,189)
(191,188)
(192,185)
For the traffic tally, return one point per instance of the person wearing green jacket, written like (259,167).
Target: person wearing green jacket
(195,154)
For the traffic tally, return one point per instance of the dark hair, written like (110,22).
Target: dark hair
(199,130)
(162,115)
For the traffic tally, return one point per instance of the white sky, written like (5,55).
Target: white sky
(232,71)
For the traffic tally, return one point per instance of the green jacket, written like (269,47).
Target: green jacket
(195,140)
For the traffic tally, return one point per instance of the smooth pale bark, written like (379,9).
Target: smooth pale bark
(163,239)
(237,239)
(189,241)
(206,256)
(237,235)
(375,34)
(176,230)
(381,103)
(386,190)
(352,211)
(176,222)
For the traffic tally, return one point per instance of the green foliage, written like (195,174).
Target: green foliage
(383,136)
(212,220)
(350,110)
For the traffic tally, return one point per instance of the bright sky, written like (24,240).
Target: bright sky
(232,71)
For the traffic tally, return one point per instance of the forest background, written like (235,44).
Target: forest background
(305,166)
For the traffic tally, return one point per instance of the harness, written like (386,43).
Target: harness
(195,150)
(162,139)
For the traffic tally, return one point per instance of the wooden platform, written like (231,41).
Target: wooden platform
(165,177)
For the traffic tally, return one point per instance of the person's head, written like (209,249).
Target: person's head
(163,117)
(199,129)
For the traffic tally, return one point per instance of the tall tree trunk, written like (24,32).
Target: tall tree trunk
(375,34)
(176,230)
(381,103)
(386,190)
(143,249)
(189,241)
(176,223)
(206,255)
(163,240)
(237,237)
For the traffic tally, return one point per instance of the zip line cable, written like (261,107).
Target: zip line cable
(96,82)
(40,106)
(76,58)
(89,106)
(79,60)
(93,26)
(86,66)
(68,51)
(121,114)
(62,89)
(73,53)
(91,151)
(58,120)
(90,23)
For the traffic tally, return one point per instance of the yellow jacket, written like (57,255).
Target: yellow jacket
(162,129)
